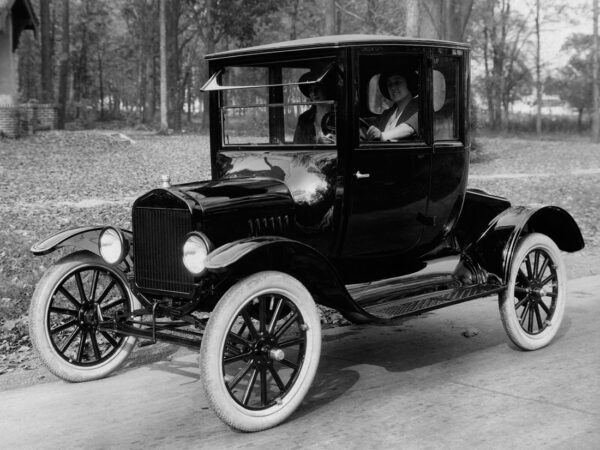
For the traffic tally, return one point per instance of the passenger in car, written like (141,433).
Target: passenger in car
(309,129)
(401,120)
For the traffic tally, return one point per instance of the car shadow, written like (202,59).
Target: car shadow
(399,348)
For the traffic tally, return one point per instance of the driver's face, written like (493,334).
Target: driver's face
(397,88)
(316,92)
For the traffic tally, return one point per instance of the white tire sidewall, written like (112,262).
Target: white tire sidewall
(222,319)
(509,317)
(38,313)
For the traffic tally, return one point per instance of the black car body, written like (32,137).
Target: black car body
(374,229)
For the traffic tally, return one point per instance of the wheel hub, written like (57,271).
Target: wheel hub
(87,314)
(265,350)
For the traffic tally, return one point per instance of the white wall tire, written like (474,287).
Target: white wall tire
(533,305)
(260,351)
(63,318)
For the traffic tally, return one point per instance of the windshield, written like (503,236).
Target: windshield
(287,103)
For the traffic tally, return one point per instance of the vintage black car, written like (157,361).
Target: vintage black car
(312,201)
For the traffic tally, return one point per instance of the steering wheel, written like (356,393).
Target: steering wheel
(328,123)
(363,126)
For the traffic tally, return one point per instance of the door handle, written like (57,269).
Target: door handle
(360,176)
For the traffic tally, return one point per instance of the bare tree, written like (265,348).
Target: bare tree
(596,115)
(64,67)
(412,18)
(164,125)
(330,17)
(538,77)
(445,19)
(46,53)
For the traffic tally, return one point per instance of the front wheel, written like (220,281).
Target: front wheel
(68,304)
(260,351)
(533,305)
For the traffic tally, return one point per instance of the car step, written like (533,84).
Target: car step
(426,302)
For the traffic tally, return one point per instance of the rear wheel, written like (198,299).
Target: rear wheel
(68,304)
(260,351)
(533,305)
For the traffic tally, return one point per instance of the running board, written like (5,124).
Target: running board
(433,300)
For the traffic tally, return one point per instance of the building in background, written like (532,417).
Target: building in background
(16,16)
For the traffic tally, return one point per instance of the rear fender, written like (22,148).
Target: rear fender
(241,258)
(495,247)
(82,238)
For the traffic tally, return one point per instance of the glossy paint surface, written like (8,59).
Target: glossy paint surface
(310,177)
(496,246)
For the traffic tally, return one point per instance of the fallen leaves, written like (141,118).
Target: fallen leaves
(56,180)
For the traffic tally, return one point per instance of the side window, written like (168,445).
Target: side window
(389,98)
(445,98)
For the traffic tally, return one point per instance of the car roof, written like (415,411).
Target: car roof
(337,41)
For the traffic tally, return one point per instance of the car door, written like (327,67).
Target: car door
(389,181)
(450,159)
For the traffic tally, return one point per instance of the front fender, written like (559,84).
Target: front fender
(83,238)
(311,268)
(494,249)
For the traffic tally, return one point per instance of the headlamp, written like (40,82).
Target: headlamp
(112,245)
(195,251)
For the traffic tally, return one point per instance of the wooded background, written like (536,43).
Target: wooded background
(101,60)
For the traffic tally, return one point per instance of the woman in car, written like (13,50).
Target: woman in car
(309,129)
(401,120)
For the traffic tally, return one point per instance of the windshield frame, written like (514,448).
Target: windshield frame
(215,93)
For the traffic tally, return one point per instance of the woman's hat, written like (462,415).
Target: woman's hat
(327,82)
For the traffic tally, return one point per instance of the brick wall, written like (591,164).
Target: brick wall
(9,121)
(26,119)
(47,117)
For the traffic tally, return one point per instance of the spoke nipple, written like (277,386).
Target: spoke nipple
(228,379)
(304,327)
(278,401)
(255,301)
(548,323)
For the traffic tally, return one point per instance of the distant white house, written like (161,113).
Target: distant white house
(552,105)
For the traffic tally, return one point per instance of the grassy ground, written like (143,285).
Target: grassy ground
(56,180)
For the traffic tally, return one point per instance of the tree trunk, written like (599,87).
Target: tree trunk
(370,19)
(456,16)
(46,52)
(596,112)
(164,125)
(330,16)
(142,86)
(64,67)
(412,18)
(295,9)
(174,103)
(210,48)
(538,77)
(101,85)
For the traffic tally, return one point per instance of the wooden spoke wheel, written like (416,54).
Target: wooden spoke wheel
(260,351)
(533,305)
(69,302)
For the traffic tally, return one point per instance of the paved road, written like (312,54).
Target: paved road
(416,384)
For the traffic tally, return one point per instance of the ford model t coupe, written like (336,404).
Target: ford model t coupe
(339,174)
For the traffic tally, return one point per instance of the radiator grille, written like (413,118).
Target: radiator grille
(158,237)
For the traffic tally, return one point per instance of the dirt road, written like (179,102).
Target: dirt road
(419,383)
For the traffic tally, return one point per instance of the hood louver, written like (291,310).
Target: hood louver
(261,226)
